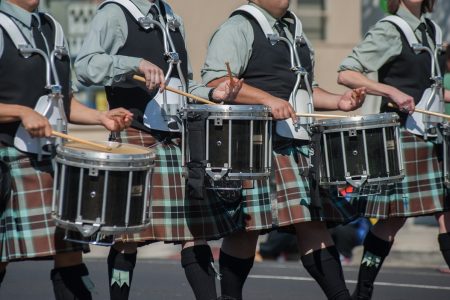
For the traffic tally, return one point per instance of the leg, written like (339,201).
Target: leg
(377,246)
(121,263)
(444,235)
(236,260)
(198,264)
(321,259)
(70,277)
(2,272)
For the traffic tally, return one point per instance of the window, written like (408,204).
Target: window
(313,16)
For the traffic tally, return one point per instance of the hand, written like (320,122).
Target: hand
(227,91)
(154,76)
(352,99)
(36,124)
(281,109)
(116,119)
(404,102)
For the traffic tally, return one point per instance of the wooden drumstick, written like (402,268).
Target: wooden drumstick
(230,75)
(423,111)
(199,99)
(320,115)
(81,141)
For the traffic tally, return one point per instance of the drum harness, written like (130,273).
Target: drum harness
(302,102)
(432,98)
(50,105)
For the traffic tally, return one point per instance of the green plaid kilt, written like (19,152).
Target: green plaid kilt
(421,192)
(172,216)
(290,200)
(27,229)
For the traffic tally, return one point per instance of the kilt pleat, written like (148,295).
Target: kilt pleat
(27,229)
(285,199)
(421,192)
(172,216)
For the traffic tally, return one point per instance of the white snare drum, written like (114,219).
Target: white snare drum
(237,140)
(360,150)
(102,193)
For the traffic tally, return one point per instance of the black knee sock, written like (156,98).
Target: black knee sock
(375,251)
(2,276)
(197,262)
(120,273)
(234,272)
(325,267)
(70,283)
(444,245)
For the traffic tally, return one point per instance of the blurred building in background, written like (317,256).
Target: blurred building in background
(333,26)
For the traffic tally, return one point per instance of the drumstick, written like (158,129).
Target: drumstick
(75,139)
(229,74)
(199,99)
(423,111)
(320,115)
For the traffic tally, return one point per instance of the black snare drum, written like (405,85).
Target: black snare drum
(360,150)
(102,193)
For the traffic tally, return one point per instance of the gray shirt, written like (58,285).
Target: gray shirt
(98,62)
(233,43)
(381,45)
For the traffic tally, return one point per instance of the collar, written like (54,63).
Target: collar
(411,19)
(145,5)
(16,12)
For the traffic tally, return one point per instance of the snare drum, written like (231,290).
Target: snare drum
(102,193)
(236,140)
(360,150)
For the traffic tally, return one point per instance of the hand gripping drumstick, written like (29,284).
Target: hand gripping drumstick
(199,99)
(75,139)
(423,111)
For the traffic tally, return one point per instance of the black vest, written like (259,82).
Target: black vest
(408,72)
(149,45)
(22,80)
(269,66)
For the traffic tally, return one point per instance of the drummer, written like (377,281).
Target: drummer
(269,80)
(116,47)
(385,49)
(27,230)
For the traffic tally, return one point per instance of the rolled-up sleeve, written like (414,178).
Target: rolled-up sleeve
(380,45)
(232,43)
(98,62)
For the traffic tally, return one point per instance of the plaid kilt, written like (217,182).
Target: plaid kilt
(27,229)
(290,200)
(172,216)
(421,192)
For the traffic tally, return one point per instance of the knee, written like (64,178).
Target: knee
(68,259)
(241,245)
(123,247)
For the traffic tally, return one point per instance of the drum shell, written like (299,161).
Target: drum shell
(100,192)
(237,140)
(360,150)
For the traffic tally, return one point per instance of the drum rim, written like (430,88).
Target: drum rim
(382,118)
(228,108)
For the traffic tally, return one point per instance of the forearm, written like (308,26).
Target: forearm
(11,113)
(447,95)
(81,114)
(324,100)
(353,79)
(247,94)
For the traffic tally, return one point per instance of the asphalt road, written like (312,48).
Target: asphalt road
(164,279)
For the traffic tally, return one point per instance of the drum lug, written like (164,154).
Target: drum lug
(352,132)
(218,122)
(93,172)
(216,175)
(87,230)
(356,183)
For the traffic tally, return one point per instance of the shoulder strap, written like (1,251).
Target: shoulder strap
(128,5)
(404,27)
(59,33)
(259,17)
(13,31)
(437,32)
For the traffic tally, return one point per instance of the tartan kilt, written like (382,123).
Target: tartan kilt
(421,192)
(27,229)
(290,202)
(172,216)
